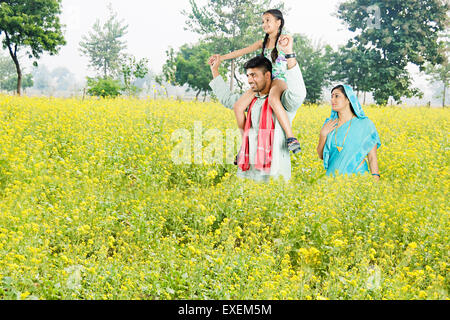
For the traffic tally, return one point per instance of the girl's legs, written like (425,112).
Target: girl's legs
(277,89)
(239,109)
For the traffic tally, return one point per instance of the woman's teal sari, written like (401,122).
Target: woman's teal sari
(361,139)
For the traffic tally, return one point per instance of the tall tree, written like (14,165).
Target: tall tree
(230,24)
(168,71)
(440,73)
(8,75)
(396,33)
(132,70)
(32,26)
(354,65)
(314,60)
(191,67)
(104,45)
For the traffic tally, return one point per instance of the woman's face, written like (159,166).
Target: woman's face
(339,101)
(270,24)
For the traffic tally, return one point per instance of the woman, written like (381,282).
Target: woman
(348,137)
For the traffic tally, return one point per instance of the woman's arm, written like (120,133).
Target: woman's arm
(373,163)
(239,53)
(327,128)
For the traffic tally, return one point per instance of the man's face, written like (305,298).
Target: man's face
(258,79)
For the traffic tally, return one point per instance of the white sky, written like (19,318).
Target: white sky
(153,26)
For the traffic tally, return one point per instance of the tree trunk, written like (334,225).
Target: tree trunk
(204,97)
(443,99)
(16,62)
(198,93)
(19,77)
(233,69)
(364,98)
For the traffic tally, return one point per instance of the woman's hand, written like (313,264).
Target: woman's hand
(328,127)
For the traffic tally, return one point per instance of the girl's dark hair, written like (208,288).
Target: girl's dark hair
(342,89)
(279,16)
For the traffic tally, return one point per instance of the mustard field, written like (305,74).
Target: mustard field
(96,204)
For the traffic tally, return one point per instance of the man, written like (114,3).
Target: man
(259,74)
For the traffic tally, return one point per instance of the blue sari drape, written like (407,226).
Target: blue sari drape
(361,139)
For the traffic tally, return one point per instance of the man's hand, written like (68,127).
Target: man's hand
(214,63)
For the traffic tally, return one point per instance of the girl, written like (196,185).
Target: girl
(273,23)
(348,137)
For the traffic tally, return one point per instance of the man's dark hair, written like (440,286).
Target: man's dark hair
(260,62)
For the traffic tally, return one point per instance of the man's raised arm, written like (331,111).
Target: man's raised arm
(220,88)
(294,96)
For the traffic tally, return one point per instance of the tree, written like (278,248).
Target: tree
(168,70)
(440,73)
(8,76)
(191,67)
(10,84)
(354,65)
(229,25)
(32,26)
(63,78)
(103,45)
(103,87)
(314,62)
(395,33)
(133,70)
(42,77)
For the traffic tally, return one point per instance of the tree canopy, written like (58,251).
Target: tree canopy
(394,34)
(31,27)
(104,45)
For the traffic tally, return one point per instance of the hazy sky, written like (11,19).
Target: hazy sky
(156,25)
(153,26)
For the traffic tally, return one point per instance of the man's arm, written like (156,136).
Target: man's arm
(220,88)
(294,96)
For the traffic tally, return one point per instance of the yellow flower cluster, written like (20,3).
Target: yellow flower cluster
(93,206)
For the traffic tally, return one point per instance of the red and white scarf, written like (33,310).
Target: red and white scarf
(265,139)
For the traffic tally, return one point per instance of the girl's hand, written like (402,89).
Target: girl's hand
(214,58)
(328,127)
(286,44)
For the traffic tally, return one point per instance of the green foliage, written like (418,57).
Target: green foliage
(314,63)
(10,84)
(101,87)
(229,24)
(103,45)
(32,26)
(168,69)
(440,72)
(354,66)
(131,71)
(8,76)
(190,66)
(395,33)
